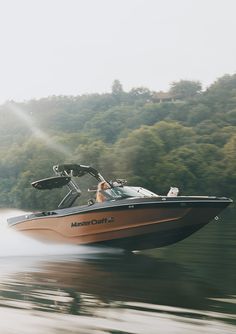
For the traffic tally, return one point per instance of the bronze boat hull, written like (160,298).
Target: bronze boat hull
(130,224)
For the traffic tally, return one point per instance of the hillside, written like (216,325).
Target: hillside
(187,141)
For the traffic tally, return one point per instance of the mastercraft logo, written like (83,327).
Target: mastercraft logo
(107,220)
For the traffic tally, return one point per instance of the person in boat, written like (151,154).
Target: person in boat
(99,195)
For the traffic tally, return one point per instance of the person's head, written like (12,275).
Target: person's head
(103,185)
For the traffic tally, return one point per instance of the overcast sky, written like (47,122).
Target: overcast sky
(54,47)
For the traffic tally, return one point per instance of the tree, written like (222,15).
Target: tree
(137,155)
(173,134)
(185,89)
(140,92)
(117,88)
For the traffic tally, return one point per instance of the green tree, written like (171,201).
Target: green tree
(229,163)
(140,93)
(173,134)
(137,155)
(185,89)
(117,88)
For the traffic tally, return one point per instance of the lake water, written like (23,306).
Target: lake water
(186,288)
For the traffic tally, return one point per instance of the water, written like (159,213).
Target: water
(186,288)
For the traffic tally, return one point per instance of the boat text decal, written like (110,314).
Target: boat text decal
(93,222)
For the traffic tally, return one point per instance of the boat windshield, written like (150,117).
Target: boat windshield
(121,192)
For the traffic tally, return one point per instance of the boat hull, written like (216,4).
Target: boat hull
(128,224)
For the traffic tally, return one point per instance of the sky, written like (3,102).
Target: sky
(74,47)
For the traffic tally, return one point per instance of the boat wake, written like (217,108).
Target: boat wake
(14,244)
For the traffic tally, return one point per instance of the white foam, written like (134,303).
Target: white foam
(13,243)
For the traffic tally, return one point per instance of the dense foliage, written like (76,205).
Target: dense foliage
(188,141)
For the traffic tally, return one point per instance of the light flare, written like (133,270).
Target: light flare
(37,132)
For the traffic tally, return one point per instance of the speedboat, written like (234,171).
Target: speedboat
(131,218)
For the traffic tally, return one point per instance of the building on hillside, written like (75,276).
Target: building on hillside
(162,97)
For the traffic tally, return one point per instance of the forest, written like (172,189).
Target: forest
(185,137)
